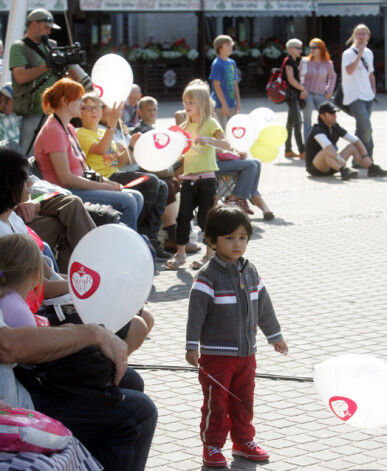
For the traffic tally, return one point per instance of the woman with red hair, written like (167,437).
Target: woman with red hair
(61,160)
(318,77)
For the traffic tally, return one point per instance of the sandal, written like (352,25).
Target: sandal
(175,262)
(197,264)
(268,215)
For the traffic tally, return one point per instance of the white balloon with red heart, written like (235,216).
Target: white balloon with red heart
(110,275)
(354,388)
(112,79)
(158,149)
(241,132)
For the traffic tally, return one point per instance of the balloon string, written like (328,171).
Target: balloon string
(219,384)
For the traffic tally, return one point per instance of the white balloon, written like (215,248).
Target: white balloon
(158,149)
(112,79)
(240,132)
(110,275)
(354,389)
(262,117)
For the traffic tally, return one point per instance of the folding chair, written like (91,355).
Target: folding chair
(226,184)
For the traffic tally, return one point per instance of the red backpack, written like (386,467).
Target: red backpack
(276,86)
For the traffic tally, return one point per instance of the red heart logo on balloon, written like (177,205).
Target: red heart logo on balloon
(238,133)
(84,281)
(342,407)
(98,90)
(161,140)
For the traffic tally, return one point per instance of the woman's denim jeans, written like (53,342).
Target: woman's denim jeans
(248,172)
(361,111)
(128,202)
(313,101)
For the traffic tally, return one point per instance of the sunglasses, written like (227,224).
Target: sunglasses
(313,47)
(299,48)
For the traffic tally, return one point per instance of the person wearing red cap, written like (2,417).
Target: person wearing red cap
(30,74)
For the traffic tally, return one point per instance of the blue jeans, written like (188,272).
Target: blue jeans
(47,251)
(361,111)
(248,172)
(313,101)
(119,436)
(128,202)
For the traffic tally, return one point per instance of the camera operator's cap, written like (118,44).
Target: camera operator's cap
(40,14)
(6,90)
(327,107)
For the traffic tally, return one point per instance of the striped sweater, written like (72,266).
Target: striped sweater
(226,307)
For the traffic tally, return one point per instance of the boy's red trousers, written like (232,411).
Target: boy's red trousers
(222,412)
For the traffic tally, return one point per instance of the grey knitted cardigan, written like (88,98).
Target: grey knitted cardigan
(226,307)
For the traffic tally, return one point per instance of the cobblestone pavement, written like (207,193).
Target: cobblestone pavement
(323,259)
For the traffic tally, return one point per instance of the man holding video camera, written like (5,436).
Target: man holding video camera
(31,75)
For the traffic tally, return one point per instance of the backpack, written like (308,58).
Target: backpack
(276,87)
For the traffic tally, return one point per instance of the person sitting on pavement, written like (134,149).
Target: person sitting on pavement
(323,159)
(106,156)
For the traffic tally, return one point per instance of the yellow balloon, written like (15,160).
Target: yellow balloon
(273,135)
(263,152)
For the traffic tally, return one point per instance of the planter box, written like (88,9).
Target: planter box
(164,78)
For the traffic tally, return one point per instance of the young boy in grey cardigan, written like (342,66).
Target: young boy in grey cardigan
(227,304)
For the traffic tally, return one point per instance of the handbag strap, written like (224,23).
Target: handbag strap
(283,67)
(363,61)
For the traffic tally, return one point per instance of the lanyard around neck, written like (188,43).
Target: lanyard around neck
(76,148)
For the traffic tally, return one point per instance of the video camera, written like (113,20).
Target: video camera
(60,59)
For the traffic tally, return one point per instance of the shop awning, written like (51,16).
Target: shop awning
(211,7)
(259,7)
(348,9)
(140,5)
(51,5)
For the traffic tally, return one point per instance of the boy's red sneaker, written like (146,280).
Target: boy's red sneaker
(250,450)
(213,457)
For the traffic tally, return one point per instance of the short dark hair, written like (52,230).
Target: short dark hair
(13,175)
(225,219)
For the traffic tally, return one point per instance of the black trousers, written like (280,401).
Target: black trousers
(294,121)
(200,194)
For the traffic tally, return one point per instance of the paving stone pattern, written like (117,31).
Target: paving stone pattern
(323,260)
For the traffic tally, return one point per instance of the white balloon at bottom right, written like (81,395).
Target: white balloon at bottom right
(354,387)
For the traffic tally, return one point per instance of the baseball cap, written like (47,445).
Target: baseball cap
(6,90)
(40,14)
(327,107)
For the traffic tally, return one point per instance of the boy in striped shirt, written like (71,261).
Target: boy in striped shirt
(228,303)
